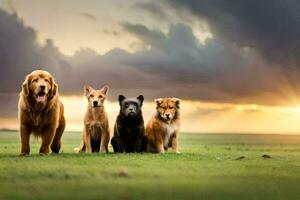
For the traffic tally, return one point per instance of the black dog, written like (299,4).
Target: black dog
(129,126)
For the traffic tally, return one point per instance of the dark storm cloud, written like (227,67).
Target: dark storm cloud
(210,71)
(112,69)
(270,27)
(266,32)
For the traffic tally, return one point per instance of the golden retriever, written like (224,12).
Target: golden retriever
(163,128)
(41,112)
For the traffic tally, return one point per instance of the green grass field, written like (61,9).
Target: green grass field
(209,167)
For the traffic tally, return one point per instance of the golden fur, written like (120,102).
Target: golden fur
(96,134)
(163,128)
(41,112)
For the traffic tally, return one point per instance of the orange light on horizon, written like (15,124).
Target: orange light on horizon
(196,116)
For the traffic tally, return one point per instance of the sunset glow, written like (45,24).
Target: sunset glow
(196,117)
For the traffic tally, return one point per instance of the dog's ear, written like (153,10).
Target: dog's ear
(177,101)
(54,89)
(141,98)
(87,89)
(121,98)
(104,89)
(25,85)
(158,101)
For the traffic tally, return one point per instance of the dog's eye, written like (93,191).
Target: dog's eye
(47,80)
(164,108)
(100,96)
(171,107)
(92,96)
(35,80)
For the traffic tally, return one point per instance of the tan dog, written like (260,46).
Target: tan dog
(163,128)
(41,112)
(96,134)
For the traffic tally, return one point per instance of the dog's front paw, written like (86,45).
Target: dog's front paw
(55,148)
(89,151)
(161,152)
(176,151)
(44,151)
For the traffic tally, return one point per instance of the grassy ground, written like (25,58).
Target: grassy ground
(209,167)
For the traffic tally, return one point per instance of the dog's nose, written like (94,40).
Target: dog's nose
(95,103)
(167,115)
(130,109)
(42,87)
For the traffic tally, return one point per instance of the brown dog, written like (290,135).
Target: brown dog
(162,129)
(96,128)
(41,112)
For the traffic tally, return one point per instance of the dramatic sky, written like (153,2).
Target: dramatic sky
(235,64)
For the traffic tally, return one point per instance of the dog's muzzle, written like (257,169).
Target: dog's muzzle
(41,96)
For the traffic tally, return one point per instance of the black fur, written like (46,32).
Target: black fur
(129,128)
(95,145)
